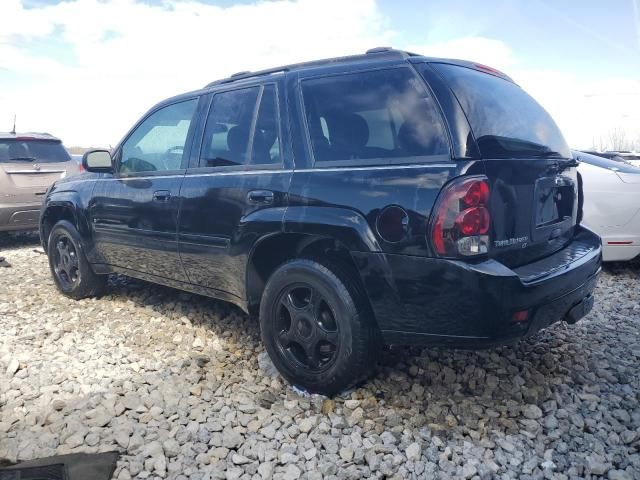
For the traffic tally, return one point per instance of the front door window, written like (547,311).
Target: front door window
(158,143)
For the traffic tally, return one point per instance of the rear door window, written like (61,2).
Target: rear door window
(32,151)
(382,114)
(506,121)
(228,129)
(243,128)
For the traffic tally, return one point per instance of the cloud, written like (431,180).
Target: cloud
(584,109)
(479,49)
(125,55)
(129,55)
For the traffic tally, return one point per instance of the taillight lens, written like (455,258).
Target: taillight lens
(461,223)
(473,221)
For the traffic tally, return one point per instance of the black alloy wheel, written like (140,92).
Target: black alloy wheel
(317,326)
(307,331)
(65,262)
(71,271)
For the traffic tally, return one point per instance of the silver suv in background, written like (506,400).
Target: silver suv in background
(29,164)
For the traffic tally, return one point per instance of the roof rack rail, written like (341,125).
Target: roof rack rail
(327,61)
(248,74)
(378,50)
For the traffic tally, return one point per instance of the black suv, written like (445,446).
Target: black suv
(384,198)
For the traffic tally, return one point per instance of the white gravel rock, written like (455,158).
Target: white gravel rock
(12,368)
(413,452)
(183,388)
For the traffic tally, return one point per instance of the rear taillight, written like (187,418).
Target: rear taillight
(460,225)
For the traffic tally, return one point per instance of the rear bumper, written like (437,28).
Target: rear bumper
(620,248)
(19,216)
(428,301)
(620,253)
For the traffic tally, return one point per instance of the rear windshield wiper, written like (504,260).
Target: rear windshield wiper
(22,159)
(547,154)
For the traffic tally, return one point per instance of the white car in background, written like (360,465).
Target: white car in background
(612,204)
(632,158)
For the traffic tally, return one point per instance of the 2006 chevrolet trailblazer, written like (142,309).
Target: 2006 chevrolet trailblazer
(384,198)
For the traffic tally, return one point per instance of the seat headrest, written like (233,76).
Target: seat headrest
(17,150)
(348,130)
(413,139)
(238,139)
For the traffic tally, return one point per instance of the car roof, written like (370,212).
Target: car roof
(378,55)
(28,136)
(372,56)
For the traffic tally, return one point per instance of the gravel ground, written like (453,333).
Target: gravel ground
(181,386)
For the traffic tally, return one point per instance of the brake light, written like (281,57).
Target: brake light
(461,223)
(488,69)
(478,194)
(473,221)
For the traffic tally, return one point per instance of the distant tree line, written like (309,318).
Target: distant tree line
(616,139)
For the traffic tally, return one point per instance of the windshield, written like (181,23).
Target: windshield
(506,121)
(614,164)
(37,151)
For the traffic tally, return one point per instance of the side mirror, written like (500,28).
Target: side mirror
(98,161)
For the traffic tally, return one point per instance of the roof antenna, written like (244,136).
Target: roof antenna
(13,132)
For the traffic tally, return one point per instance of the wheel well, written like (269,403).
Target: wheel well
(276,250)
(53,215)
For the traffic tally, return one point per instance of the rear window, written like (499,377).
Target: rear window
(36,151)
(381,114)
(506,121)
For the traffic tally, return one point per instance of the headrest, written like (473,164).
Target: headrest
(348,130)
(412,139)
(17,150)
(238,139)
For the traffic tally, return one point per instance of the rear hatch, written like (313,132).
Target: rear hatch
(534,183)
(29,165)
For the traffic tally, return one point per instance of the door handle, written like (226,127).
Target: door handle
(161,195)
(260,197)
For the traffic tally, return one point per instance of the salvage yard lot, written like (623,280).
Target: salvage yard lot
(180,385)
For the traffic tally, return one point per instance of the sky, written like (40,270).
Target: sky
(86,70)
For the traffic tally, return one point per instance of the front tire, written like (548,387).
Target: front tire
(69,266)
(317,328)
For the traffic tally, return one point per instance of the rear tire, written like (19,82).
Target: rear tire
(69,266)
(317,327)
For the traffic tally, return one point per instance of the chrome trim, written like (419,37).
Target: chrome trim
(35,171)
(260,172)
(378,167)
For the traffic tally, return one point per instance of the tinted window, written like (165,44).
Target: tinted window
(379,114)
(36,151)
(505,120)
(158,143)
(228,129)
(266,139)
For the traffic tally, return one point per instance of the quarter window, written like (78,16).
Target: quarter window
(158,143)
(266,138)
(372,115)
